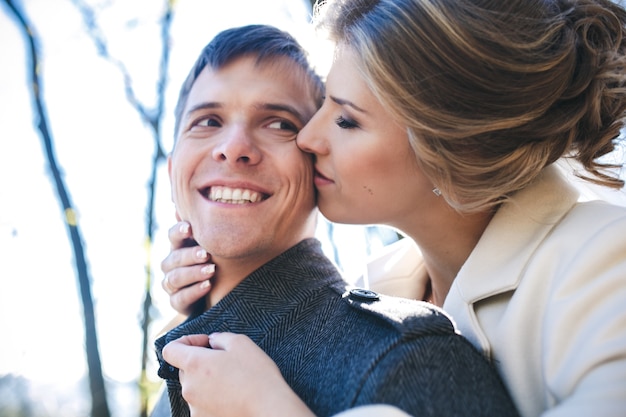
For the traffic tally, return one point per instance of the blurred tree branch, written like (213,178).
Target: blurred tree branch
(152,116)
(99,405)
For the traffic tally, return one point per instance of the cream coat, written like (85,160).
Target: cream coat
(543,294)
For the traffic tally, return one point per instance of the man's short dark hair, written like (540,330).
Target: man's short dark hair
(263,41)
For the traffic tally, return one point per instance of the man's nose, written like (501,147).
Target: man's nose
(237,147)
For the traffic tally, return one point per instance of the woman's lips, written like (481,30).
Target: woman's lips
(320,179)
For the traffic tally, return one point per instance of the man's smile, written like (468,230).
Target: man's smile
(223,194)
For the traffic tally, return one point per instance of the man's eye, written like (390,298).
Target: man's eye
(208,122)
(283,125)
(344,123)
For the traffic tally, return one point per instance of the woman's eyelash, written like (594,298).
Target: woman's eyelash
(344,123)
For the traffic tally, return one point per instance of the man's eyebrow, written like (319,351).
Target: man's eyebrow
(263,106)
(343,102)
(283,108)
(206,105)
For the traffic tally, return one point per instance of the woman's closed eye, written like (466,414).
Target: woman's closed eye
(345,123)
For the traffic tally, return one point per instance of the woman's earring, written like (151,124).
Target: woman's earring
(437,191)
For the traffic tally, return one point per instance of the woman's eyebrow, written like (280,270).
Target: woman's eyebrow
(343,102)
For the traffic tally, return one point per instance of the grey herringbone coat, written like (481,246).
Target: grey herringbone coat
(338,350)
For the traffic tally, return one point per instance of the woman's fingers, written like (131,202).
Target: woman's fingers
(187,269)
(184,275)
(184,299)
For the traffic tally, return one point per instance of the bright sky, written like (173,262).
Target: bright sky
(105,154)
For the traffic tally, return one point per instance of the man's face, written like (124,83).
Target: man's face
(236,173)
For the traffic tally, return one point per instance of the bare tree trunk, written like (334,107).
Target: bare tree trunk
(158,157)
(99,405)
(152,117)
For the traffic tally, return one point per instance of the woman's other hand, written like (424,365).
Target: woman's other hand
(241,379)
(187,270)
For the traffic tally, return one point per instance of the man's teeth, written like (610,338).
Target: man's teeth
(233,195)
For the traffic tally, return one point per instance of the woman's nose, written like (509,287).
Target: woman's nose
(310,138)
(237,147)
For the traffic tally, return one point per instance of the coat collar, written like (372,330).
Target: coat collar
(497,262)
(269,294)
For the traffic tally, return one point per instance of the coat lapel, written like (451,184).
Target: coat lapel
(497,263)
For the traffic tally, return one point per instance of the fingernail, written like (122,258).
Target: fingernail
(184,228)
(201,254)
(208,269)
(205,284)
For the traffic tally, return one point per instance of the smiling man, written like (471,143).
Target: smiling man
(239,179)
(237,175)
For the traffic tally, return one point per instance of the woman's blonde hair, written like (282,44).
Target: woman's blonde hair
(493,91)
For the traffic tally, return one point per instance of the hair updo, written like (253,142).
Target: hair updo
(493,91)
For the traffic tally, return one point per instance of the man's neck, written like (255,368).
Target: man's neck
(230,272)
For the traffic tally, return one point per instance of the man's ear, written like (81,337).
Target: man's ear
(169,173)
